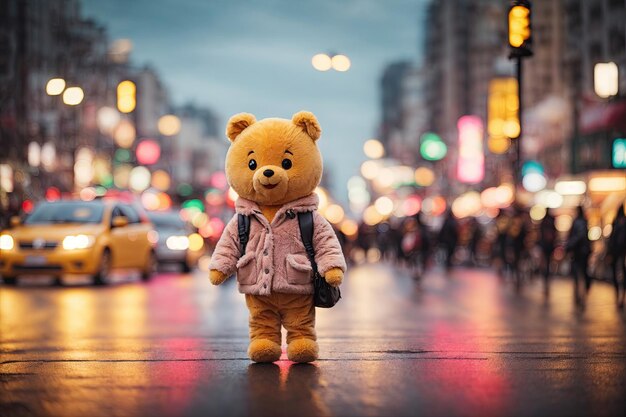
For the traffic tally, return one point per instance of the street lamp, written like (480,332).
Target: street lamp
(324,62)
(606,79)
(341,63)
(55,86)
(73,96)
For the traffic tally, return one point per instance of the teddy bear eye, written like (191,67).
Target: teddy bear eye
(252,164)
(287,163)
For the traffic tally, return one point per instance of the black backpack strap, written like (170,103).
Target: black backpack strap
(243,230)
(305,221)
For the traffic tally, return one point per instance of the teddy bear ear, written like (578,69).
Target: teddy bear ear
(308,122)
(238,123)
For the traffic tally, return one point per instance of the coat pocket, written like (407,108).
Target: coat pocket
(246,269)
(298,270)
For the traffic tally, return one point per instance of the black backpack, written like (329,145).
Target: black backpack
(325,295)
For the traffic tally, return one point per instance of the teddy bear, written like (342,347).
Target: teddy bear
(274,165)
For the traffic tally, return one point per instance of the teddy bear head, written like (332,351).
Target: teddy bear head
(273,161)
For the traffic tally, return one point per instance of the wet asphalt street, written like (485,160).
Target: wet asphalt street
(458,344)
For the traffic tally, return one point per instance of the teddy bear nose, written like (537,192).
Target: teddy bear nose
(268,173)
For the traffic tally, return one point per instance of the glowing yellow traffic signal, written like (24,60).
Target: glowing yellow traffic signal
(519,28)
(126,96)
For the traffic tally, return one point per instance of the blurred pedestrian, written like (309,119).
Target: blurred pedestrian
(547,243)
(416,245)
(503,223)
(449,236)
(475,239)
(515,249)
(617,254)
(579,246)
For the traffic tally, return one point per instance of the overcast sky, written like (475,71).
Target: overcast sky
(255,56)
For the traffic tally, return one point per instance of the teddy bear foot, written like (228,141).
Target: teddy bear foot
(302,350)
(263,350)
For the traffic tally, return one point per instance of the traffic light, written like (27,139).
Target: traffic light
(520,33)
(126,96)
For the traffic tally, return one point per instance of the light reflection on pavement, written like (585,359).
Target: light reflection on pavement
(463,343)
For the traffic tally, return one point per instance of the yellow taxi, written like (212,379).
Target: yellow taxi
(74,237)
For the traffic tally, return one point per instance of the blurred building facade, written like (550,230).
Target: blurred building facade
(567,127)
(42,40)
(200,149)
(594,32)
(42,137)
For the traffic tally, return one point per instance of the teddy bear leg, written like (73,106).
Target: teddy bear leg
(298,312)
(265,333)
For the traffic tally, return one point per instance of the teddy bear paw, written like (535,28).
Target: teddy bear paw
(264,350)
(302,350)
(334,277)
(216,277)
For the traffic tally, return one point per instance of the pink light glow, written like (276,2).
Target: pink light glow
(148,152)
(471,164)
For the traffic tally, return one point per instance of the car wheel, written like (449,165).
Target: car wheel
(57,282)
(102,276)
(9,280)
(150,268)
(185,267)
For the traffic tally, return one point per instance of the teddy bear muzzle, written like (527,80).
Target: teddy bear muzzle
(270,177)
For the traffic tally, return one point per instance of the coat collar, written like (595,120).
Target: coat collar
(302,204)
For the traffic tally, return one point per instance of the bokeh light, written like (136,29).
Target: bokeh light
(538,212)
(384,205)
(126,96)
(73,96)
(534,181)
(169,125)
(371,216)
(107,119)
(334,213)
(370,169)
(121,175)
(424,177)
(563,223)
(196,242)
(341,63)
(161,180)
(125,134)
(321,62)
(148,152)
(349,227)
(432,148)
(373,149)
(55,86)
(140,178)
(594,233)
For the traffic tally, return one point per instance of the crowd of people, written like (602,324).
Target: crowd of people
(516,246)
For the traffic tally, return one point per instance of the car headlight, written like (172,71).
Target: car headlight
(6,242)
(78,242)
(177,242)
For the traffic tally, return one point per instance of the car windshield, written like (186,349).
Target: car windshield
(66,212)
(166,221)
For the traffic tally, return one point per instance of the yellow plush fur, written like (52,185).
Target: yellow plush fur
(269,142)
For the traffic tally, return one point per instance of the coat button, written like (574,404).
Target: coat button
(264,285)
(265,252)
(267,271)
